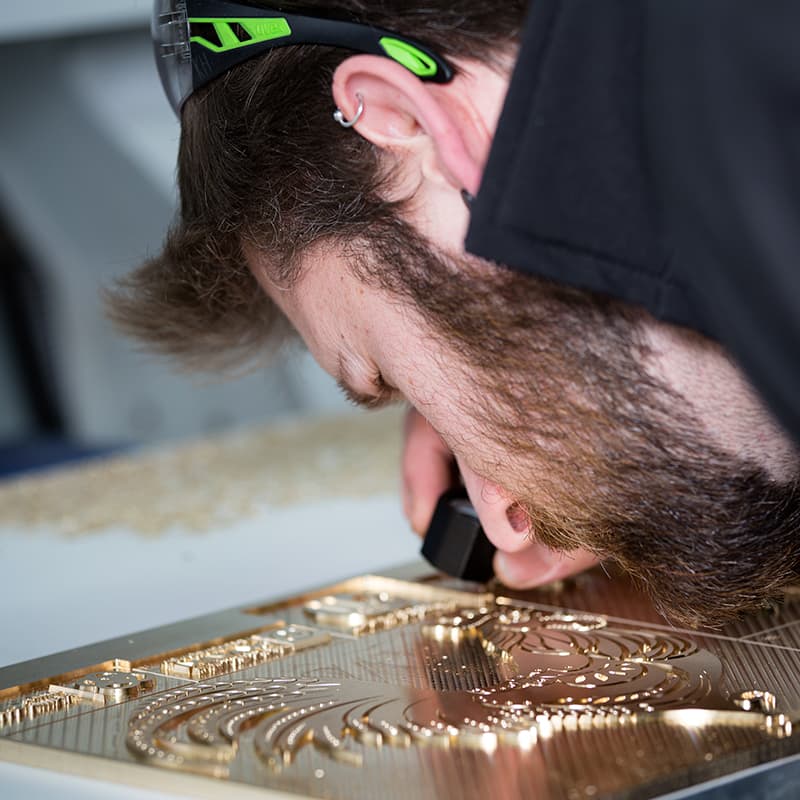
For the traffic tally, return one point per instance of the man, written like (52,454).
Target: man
(585,423)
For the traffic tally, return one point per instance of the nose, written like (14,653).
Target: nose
(503,521)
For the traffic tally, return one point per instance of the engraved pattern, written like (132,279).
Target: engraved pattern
(37,705)
(365,613)
(196,728)
(98,688)
(242,653)
(565,670)
(421,689)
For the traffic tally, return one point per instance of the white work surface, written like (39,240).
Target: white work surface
(62,589)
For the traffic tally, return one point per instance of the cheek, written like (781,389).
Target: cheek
(428,376)
(434,387)
(457,418)
(448,414)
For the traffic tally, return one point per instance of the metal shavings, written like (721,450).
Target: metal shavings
(205,484)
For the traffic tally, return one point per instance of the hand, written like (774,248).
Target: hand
(537,564)
(429,469)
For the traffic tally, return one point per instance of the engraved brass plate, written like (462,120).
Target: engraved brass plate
(414,685)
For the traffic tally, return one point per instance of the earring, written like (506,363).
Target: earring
(468,199)
(339,117)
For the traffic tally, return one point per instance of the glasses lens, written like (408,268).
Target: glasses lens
(170,32)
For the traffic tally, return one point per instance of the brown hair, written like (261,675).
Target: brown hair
(262,163)
(597,452)
(555,373)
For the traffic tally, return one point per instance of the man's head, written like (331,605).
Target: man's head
(589,417)
(262,162)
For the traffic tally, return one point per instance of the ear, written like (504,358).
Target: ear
(433,124)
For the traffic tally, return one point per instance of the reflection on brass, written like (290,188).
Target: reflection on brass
(37,705)
(568,671)
(432,693)
(106,687)
(98,688)
(239,654)
(197,728)
(366,613)
(756,700)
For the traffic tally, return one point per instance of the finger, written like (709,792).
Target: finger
(538,564)
(501,518)
(427,470)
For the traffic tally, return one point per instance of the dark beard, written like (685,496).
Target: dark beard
(604,456)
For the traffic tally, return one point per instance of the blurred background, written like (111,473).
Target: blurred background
(88,147)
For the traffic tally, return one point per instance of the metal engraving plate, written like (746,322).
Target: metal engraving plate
(415,685)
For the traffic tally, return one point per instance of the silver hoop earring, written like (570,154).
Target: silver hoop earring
(339,117)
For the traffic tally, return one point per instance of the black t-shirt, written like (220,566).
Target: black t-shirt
(650,150)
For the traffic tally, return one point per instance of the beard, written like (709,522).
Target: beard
(597,452)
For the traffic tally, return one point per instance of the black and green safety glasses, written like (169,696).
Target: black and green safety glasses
(197,41)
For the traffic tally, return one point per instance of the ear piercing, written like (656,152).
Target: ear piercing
(339,116)
(468,198)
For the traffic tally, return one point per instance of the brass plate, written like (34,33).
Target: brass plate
(414,685)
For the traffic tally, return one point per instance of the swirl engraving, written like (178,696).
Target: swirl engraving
(557,671)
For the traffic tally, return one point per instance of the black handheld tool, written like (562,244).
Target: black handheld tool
(455,542)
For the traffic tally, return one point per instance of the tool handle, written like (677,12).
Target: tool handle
(455,542)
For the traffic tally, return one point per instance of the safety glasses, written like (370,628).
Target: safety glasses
(197,41)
